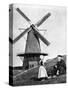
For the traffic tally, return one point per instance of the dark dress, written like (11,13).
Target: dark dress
(54,71)
(61,66)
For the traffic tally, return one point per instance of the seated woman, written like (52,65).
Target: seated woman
(61,66)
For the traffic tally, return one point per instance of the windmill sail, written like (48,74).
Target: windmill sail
(42,38)
(17,38)
(22,14)
(42,20)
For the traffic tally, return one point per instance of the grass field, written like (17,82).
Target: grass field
(56,80)
(28,77)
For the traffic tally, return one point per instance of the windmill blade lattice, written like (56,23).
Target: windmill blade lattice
(22,14)
(42,20)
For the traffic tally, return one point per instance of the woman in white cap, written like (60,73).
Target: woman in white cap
(42,72)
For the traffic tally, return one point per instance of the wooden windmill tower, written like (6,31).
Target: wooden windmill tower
(32,50)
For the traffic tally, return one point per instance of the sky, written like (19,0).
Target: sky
(55,32)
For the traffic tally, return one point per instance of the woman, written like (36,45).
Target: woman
(42,72)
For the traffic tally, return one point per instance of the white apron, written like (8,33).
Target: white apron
(42,72)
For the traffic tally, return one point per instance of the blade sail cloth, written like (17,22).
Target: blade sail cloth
(20,36)
(22,14)
(42,20)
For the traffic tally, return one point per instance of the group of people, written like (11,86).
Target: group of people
(58,69)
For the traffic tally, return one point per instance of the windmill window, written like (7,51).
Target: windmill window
(31,65)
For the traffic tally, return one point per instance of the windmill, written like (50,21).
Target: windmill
(33,49)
